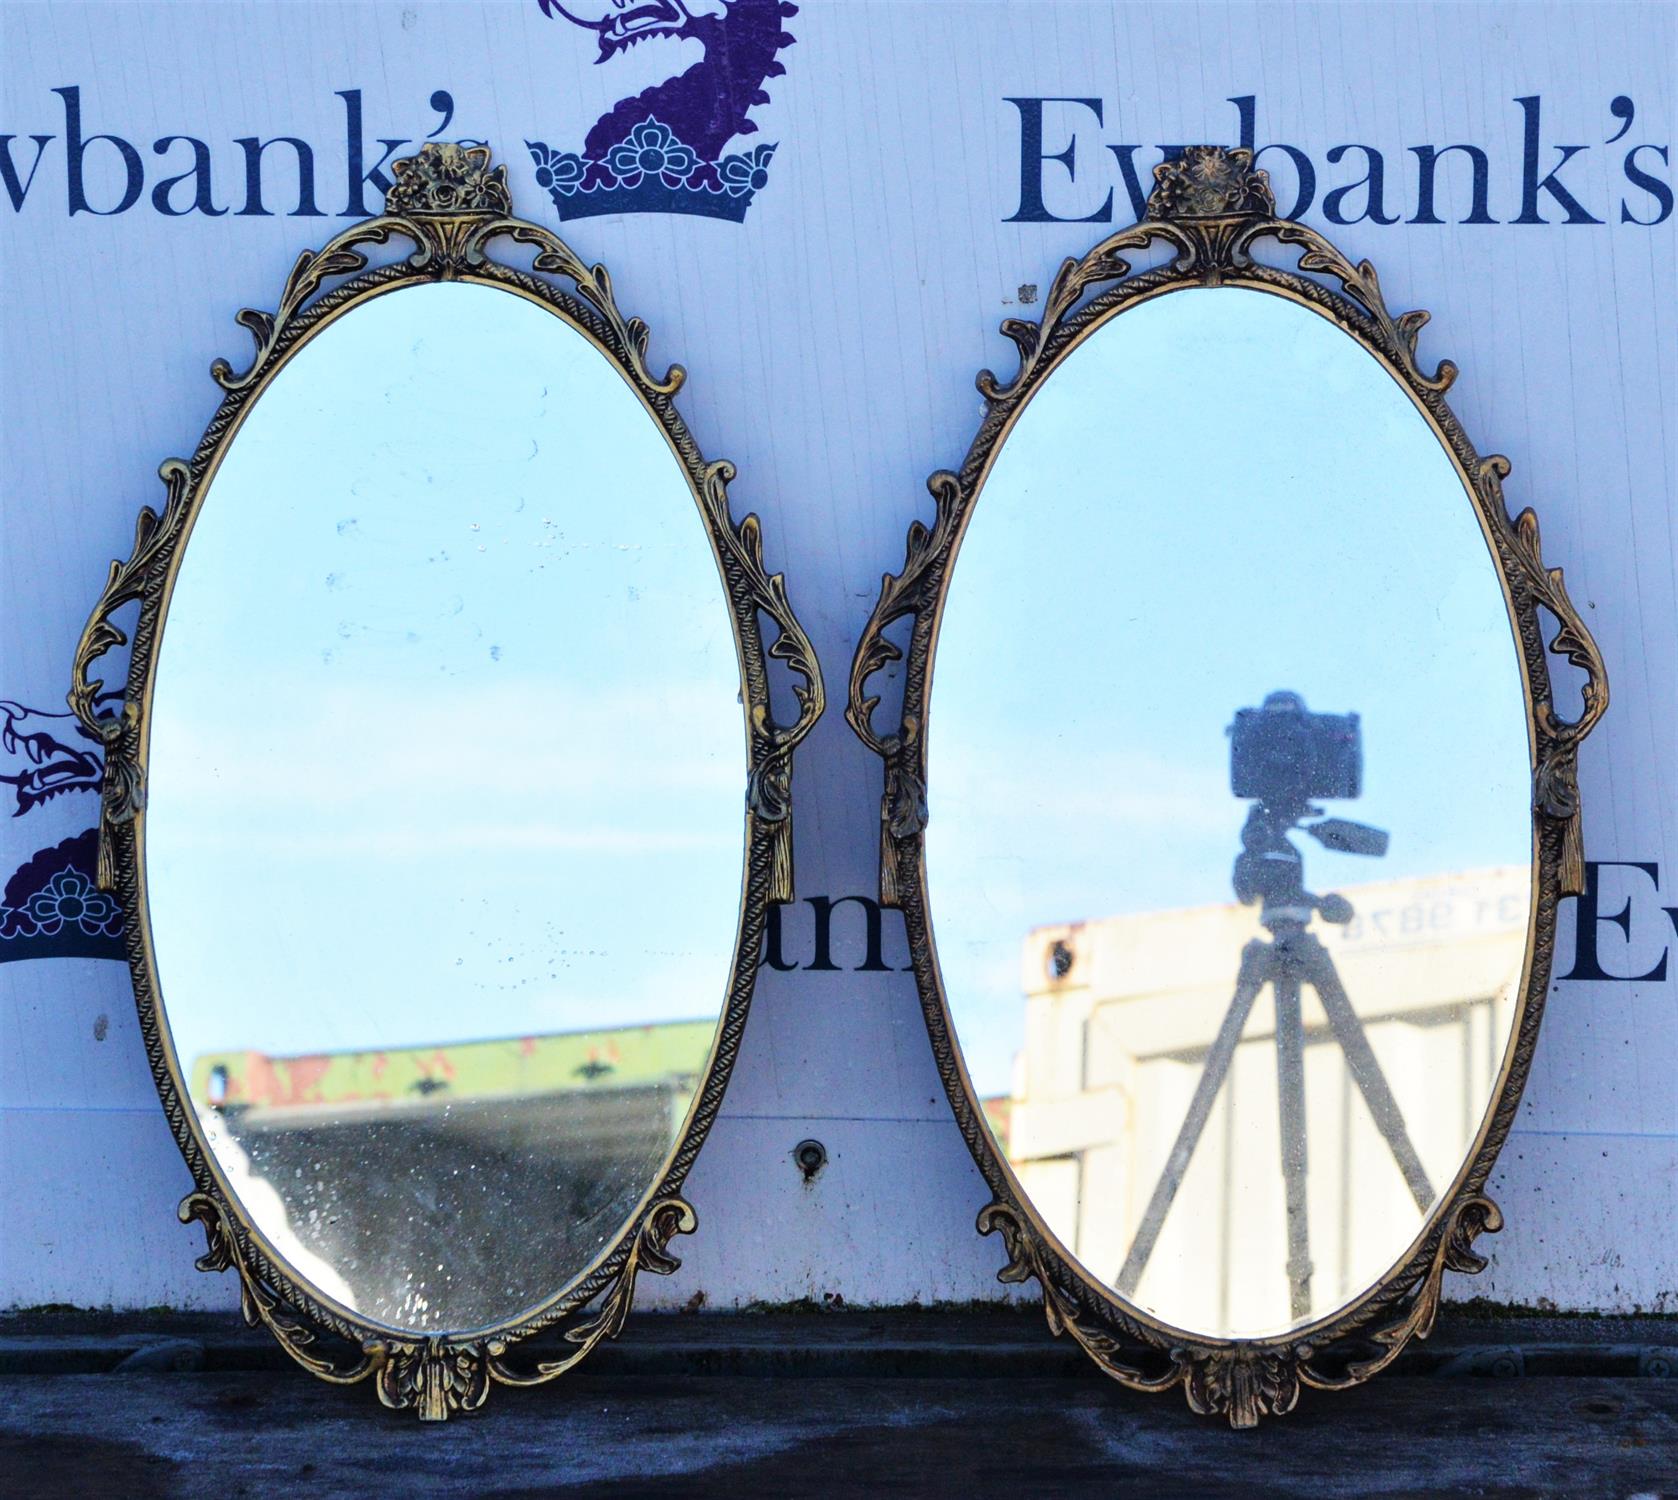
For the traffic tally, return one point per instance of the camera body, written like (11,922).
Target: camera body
(1286,756)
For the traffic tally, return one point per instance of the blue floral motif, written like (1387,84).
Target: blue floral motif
(651,170)
(560,172)
(742,175)
(651,149)
(70,897)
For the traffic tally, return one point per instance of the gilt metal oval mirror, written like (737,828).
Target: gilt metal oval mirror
(425,801)
(1241,800)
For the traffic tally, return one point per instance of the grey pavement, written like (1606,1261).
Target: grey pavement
(838,1404)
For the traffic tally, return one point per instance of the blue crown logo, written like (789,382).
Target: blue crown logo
(651,170)
(666,149)
(51,906)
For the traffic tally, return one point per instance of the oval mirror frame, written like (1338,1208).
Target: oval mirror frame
(450,204)
(1210,208)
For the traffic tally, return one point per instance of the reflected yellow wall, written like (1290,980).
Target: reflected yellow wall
(1115,1046)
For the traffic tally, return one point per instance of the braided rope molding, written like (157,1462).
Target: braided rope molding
(1242,1379)
(439,1374)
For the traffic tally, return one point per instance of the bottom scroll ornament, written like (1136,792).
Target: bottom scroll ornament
(431,1375)
(434,1375)
(1245,1381)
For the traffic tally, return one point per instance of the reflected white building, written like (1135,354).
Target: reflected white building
(1120,1014)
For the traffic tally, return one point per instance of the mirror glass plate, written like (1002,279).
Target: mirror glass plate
(1217,497)
(443,845)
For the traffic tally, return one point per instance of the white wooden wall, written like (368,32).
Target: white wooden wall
(832,341)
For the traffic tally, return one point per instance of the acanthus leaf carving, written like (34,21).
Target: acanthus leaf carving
(1556,776)
(1472,1217)
(123,791)
(1071,284)
(312,269)
(910,591)
(259,1302)
(649,1252)
(1244,1381)
(594,285)
(769,787)
(1241,1383)
(436,1377)
(1363,285)
(1060,1307)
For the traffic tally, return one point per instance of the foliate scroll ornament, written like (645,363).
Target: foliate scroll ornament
(1556,778)
(1211,205)
(1208,204)
(433,1376)
(1241,1383)
(1246,1382)
(1419,1307)
(311,270)
(452,204)
(1225,204)
(651,1253)
(1361,283)
(260,1303)
(594,286)
(769,790)
(123,791)
(1060,1307)
(913,590)
(1072,283)
(436,1376)
(449,203)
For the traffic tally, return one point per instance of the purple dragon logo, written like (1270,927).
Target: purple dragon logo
(662,151)
(43,756)
(50,907)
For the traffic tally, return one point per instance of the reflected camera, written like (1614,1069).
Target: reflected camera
(1283,754)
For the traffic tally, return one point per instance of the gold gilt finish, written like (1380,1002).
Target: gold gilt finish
(450,204)
(1212,207)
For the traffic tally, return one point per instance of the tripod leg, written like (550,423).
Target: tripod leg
(1290,1094)
(1254,966)
(1321,975)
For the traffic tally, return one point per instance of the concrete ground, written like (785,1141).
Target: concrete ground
(838,1404)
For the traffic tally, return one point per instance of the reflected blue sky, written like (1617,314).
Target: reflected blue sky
(446,739)
(1218,496)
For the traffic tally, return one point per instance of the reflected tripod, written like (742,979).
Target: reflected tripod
(1272,870)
